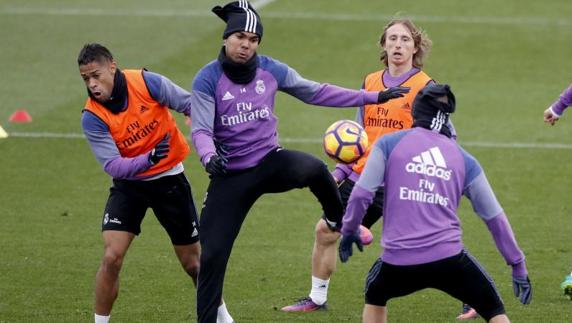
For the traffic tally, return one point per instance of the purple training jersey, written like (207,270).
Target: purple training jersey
(237,121)
(425,174)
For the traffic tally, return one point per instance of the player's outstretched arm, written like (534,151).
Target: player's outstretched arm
(555,111)
(487,207)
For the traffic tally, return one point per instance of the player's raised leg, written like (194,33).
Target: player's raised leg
(116,244)
(299,170)
(323,265)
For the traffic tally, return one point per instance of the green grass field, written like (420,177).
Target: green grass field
(505,60)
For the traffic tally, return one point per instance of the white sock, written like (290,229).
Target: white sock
(319,293)
(101,318)
(223,316)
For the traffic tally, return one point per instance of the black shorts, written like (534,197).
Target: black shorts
(170,198)
(460,276)
(374,211)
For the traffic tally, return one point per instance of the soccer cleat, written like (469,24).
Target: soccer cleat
(566,285)
(468,313)
(304,305)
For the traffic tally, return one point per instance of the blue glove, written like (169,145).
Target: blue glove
(346,249)
(160,151)
(392,93)
(216,166)
(522,289)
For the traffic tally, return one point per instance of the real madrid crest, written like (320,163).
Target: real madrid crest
(260,87)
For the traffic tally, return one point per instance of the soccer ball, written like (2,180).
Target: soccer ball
(345,141)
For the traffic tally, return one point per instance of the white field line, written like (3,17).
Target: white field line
(483,20)
(316,141)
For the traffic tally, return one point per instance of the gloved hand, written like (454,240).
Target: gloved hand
(346,249)
(216,166)
(160,151)
(522,289)
(392,93)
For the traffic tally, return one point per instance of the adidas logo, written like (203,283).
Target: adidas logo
(227,96)
(430,163)
(143,109)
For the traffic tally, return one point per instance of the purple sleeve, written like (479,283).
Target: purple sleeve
(563,102)
(506,243)
(127,168)
(342,171)
(168,93)
(203,115)
(359,115)
(331,95)
(482,197)
(204,145)
(360,199)
(373,175)
(364,191)
(106,152)
(324,94)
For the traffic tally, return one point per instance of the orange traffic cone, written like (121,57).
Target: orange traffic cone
(21,116)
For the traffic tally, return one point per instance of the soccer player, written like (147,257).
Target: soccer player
(551,116)
(130,129)
(425,174)
(404,49)
(234,132)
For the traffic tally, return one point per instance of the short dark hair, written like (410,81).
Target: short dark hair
(93,52)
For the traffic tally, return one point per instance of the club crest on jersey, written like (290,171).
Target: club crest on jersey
(260,87)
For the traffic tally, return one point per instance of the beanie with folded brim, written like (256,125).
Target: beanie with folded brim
(239,16)
(432,107)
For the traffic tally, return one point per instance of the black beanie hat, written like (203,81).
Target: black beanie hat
(432,106)
(239,16)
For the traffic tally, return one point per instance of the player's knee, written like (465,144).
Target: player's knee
(311,172)
(324,235)
(112,261)
(319,170)
(189,257)
(192,267)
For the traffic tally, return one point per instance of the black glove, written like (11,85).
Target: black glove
(345,249)
(160,151)
(216,166)
(522,289)
(392,93)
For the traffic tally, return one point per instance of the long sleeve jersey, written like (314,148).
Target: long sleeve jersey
(238,122)
(563,102)
(161,89)
(425,175)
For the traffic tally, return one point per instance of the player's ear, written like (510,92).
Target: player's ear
(113,67)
